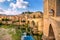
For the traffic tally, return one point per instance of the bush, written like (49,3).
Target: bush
(0,23)
(5,19)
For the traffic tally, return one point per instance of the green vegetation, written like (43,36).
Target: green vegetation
(0,23)
(5,19)
(17,31)
(17,35)
(16,21)
(38,36)
(27,12)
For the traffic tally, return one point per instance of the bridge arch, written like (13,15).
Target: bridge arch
(50,31)
(51,34)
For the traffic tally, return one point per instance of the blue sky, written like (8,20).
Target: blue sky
(18,6)
(35,5)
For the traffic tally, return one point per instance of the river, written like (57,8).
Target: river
(27,36)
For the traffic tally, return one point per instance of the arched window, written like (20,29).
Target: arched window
(51,11)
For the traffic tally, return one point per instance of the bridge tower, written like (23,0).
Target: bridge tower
(50,24)
(51,8)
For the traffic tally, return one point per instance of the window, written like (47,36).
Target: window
(51,11)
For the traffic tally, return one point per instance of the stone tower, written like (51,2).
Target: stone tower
(51,20)
(49,7)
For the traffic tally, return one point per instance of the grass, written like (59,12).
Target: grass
(15,36)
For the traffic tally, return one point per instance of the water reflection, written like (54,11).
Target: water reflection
(27,36)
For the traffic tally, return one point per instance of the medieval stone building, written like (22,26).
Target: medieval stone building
(51,20)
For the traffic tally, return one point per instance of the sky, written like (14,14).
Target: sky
(14,7)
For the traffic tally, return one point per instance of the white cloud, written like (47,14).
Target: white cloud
(2,0)
(19,4)
(8,0)
(13,5)
(13,9)
(9,12)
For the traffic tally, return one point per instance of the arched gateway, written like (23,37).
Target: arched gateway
(51,35)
